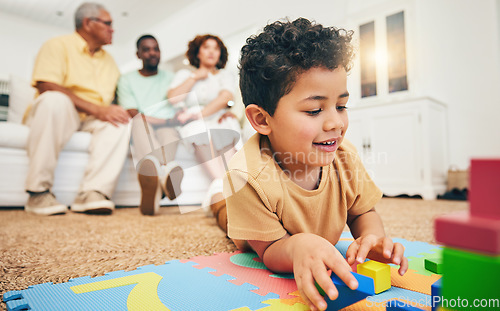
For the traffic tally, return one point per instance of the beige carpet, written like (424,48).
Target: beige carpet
(36,250)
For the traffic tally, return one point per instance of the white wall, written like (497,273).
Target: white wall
(459,61)
(228,19)
(20,40)
(455,51)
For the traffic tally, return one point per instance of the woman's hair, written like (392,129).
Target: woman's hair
(272,60)
(87,9)
(194,47)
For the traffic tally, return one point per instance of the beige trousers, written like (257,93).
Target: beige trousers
(53,120)
(160,142)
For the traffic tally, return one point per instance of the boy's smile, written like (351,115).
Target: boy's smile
(310,122)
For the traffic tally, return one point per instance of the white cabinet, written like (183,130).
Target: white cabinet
(403,145)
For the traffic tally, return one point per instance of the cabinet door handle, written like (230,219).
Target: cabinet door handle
(367,145)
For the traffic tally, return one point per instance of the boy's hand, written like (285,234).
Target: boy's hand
(381,249)
(313,256)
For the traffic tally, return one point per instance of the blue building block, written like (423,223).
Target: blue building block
(436,295)
(348,296)
(398,305)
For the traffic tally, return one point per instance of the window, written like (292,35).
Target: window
(367,56)
(382,54)
(396,52)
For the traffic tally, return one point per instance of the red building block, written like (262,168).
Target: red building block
(464,231)
(484,192)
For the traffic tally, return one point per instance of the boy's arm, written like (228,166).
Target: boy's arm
(367,223)
(309,257)
(371,242)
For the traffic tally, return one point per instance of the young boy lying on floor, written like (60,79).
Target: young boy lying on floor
(297,182)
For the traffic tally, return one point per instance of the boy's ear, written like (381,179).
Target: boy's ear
(258,118)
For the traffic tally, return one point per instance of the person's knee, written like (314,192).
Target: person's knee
(54,101)
(119,131)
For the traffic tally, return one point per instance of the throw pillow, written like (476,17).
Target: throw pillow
(20,96)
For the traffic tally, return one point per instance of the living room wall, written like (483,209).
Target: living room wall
(457,50)
(21,39)
(456,53)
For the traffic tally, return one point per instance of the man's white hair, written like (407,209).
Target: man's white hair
(87,9)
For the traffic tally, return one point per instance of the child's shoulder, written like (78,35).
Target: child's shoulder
(254,157)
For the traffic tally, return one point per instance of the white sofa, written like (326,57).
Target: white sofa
(72,162)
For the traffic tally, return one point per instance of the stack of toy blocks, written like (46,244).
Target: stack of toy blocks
(471,256)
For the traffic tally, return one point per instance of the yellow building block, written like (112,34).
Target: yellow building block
(379,272)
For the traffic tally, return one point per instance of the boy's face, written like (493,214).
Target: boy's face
(310,122)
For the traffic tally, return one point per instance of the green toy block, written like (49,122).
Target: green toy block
(379,272)
(470,278)
(434,265)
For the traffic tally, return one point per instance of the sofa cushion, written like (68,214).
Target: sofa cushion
(20,96)
(15,135)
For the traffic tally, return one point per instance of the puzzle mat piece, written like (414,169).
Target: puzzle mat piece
(345,240)
(375,303)
(416,248)
(172,286)
(378,306)
(379,302)
(372,303)
(248,268)
(295,300)
(279,305)
(412,248)
(413,281)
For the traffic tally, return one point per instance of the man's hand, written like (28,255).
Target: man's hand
(313,256)
(381,249)
(113,114)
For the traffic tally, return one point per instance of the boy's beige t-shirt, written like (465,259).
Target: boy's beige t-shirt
(264,204)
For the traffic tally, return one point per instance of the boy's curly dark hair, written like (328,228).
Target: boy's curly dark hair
(271,61)
(194,47)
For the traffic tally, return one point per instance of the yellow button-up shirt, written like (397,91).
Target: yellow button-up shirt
(66,61)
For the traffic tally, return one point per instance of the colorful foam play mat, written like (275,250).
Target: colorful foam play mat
(223,281)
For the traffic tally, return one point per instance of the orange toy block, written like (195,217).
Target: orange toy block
(379,272)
